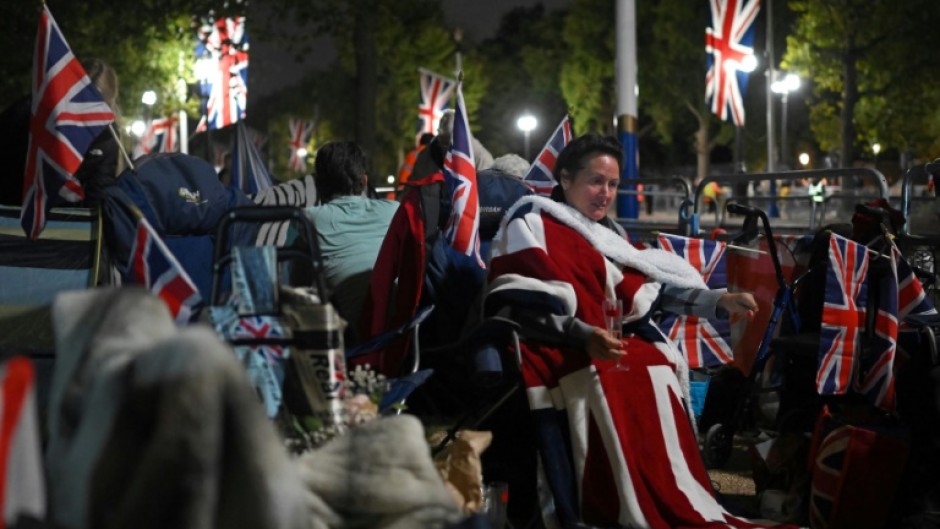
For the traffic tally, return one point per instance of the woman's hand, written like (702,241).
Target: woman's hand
(601,345)
(738,303)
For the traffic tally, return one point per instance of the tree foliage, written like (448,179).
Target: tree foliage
(867,61)
(149,43)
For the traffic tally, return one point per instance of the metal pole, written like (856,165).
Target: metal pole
(625,69)
(526,149)
(784,148)
(771,61)
(771,72)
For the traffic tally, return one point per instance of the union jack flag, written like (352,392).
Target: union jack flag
(248,170)
(262,328)
(224,44)
(539,176)
(705,343)
(727,44)
(912,298)
(160,137)
(154,266)
(876,369)
(436,91)
(843,316)
(463,226)
(300,131)
(68,113)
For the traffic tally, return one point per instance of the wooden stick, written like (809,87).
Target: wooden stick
(120,146)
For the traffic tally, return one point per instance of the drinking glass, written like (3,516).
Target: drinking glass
(613,319)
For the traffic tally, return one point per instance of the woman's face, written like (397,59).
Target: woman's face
(592,189)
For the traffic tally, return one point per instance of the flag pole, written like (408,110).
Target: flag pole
(120,145)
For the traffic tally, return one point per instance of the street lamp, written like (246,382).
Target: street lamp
(783,86)
(804,159)
(527,124)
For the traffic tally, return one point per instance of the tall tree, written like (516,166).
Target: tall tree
(866,60)
(411,35)
(523,61)
(143,41)
(587,74)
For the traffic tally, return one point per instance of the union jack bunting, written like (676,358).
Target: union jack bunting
(224,43)
(727,43)
(67,114)
(154,266)
(436,91)
(539,176)
(248,170)
(462,230)
(159,137)
(876,369)
(843,316)
(300,131)
(705,343)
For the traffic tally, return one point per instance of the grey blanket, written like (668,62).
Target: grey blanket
(155,427)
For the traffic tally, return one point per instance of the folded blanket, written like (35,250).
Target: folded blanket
(154,427)
(379,475)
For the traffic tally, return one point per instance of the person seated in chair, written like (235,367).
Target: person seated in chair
(350,226)
(616,442)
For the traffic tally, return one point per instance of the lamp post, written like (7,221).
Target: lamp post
(783,86)
(203,72)
(526,124)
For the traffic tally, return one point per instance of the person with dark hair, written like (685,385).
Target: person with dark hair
(608,391)
(350,226)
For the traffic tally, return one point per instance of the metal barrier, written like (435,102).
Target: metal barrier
(817,209)
(676,188)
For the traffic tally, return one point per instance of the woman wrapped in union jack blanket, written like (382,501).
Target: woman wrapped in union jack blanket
(616,446)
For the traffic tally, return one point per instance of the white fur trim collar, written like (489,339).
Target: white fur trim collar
(659,265)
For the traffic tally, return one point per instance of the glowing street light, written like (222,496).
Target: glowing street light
(149,98)
(804,159)
(527,123)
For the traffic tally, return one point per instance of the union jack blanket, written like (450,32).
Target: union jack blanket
(616,448)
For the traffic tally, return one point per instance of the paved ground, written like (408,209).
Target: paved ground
(735,481)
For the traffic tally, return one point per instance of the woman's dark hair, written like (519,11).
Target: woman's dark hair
(575,155)
(339,168)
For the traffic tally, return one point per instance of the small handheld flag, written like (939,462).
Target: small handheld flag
(68,113)
(539,176)
(462,230)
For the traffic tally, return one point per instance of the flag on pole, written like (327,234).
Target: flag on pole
(462,230)
(705,343)
(876,369)
(539,176)
(67,114)
(436,91)
(843,316)
(727,44)
(153,265)
(223,44)
(248,170)
(300,132)
(159,137)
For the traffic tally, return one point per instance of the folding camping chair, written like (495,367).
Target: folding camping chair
(182,199)
(68,255)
